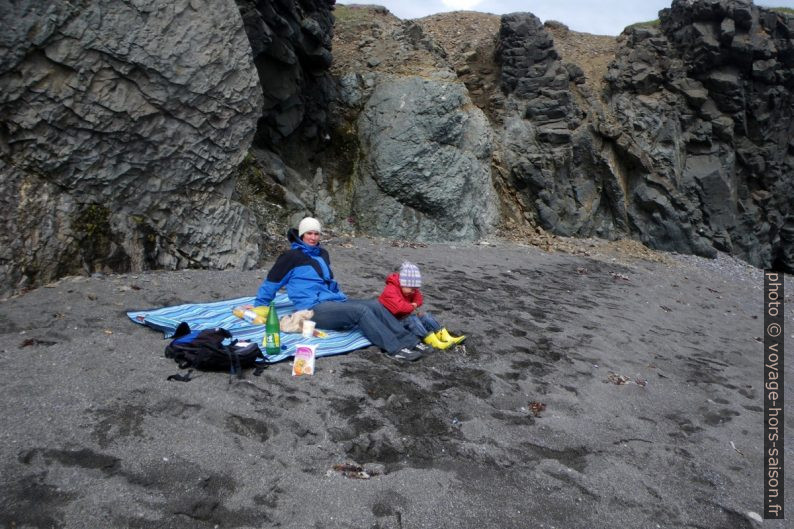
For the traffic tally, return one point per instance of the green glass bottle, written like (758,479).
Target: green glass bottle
(272,337)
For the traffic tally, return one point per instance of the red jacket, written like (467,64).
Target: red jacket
(395,301)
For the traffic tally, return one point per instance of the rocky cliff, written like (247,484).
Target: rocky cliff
(283,177)
(704,107)
(683,142)
(169,134)
(404,153)
(121,125)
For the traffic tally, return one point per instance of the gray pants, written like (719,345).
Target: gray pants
(376,323)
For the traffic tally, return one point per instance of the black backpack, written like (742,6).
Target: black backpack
(205,350)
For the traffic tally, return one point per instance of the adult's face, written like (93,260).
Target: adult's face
(311,238)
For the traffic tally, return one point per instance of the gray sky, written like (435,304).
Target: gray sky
(601,17)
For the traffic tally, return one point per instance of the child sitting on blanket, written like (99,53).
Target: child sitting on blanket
(402,297)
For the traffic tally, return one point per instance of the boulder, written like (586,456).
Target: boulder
(121,124)
(425,167)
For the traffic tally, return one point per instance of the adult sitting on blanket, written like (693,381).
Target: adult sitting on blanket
(305,271)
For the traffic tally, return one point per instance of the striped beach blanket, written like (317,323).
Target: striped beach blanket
(219,314)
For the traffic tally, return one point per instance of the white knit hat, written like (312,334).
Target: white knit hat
(410,276)
(309,224)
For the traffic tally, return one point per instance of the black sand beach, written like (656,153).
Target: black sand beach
(650,372)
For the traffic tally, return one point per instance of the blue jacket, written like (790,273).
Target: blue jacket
(306,273)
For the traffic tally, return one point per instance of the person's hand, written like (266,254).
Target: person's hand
(415,306)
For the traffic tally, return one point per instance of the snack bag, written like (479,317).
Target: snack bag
(303,363)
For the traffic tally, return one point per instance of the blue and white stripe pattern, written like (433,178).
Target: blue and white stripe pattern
(219,314)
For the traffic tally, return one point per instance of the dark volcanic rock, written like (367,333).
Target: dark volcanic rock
(562,183)
(533,72)
(120,125)
(291,43)
(124,131)
(688,149)
(708,101)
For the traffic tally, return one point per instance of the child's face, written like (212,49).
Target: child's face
(407,290)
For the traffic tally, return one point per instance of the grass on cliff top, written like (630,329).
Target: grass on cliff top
(647,24)
(351,15)
(655,23)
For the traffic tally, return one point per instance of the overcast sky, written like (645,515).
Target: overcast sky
(601,17)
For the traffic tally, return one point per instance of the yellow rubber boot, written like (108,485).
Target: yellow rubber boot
(433,341)
(444,336)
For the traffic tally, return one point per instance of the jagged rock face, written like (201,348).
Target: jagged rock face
(291,44)
(425,168)
(123,128)
(705,109)
(120,126)
(532,71)
(689,151)
(548,157)
(283,179)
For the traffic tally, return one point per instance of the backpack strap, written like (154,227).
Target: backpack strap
(181,378)
(181,330)
(234,363)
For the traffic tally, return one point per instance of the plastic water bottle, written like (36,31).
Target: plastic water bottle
(248,315)
(272,335)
